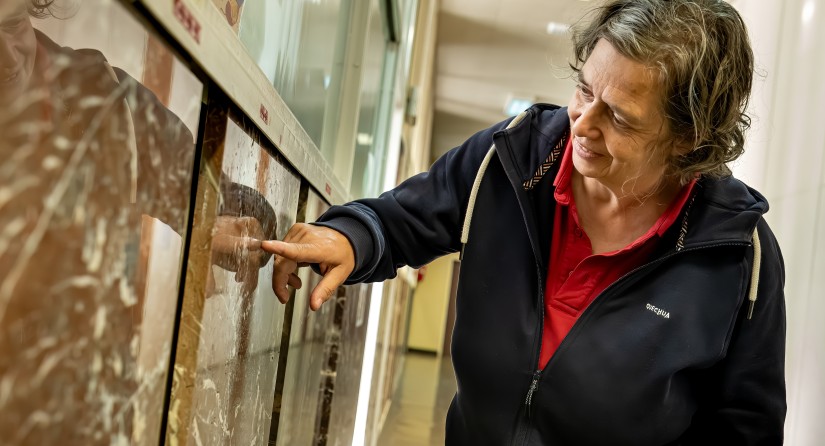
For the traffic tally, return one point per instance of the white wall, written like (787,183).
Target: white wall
(430,306)
(785,160)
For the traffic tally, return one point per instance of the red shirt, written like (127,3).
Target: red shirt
(575,276)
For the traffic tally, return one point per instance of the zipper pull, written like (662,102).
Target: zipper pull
(534,385)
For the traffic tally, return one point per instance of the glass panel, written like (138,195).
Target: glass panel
(371,147)
(295,42)
(242,320)
(98,128)
(324,362)
(298,423)
(349,335)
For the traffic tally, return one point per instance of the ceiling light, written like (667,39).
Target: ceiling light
(808,11)
(517,104)
(558,29)
(364,139)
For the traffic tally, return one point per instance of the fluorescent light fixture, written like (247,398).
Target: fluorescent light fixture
(808,11)
(557,29)
(364,139)
(517,104)
(363,405)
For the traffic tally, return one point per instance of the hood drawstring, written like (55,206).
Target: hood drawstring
(757,264)
(468,216)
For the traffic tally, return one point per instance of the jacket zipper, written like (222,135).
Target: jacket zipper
(533,387)
(539,267)
(534,384)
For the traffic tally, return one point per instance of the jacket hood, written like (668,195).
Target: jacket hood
(730,212)
(529,142)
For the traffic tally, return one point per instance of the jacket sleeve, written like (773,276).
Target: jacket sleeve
(415,222)
(165,151)
(745,401)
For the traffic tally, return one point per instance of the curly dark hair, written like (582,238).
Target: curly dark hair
(705,61)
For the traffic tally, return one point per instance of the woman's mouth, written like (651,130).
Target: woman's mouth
(583,152)
(7,79)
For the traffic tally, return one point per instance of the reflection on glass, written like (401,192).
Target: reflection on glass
(298,421)
(324,362)
(295,43)
(94,195)
(232,10)
(242,319)
(370,150)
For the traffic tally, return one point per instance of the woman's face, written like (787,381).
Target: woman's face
(617,123)
(18,48)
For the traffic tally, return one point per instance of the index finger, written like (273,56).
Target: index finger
(299,252)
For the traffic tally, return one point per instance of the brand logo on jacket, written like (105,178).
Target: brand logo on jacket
(658,311)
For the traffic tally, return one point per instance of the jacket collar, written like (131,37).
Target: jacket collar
(725,210)
(526,145)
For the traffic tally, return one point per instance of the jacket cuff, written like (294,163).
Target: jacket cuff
(361,241)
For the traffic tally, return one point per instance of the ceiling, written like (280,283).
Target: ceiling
(488,50)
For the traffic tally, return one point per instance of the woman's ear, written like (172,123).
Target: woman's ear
(680,147)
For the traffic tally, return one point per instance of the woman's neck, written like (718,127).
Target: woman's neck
(613,217)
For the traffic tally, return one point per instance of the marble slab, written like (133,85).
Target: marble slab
(97,134)
(241,321)
(324,362)
(347,358)
(297,417)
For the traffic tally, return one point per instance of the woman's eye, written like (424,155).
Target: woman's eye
(618,123)
(12,24)
(585,92)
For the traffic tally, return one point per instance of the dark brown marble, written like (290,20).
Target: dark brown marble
(350,359)
(298,412)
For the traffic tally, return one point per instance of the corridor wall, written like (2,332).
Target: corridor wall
(785,160)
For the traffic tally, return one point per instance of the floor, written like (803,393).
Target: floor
(419,408)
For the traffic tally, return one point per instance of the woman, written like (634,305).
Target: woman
(618,286)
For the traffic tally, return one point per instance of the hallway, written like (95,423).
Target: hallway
(419,408)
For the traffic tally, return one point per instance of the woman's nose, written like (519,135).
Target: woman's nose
(585,122)
(8,56)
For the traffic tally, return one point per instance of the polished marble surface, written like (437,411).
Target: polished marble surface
(346,341)
(94,201)
(241,325)
(419,405)
(297,416)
